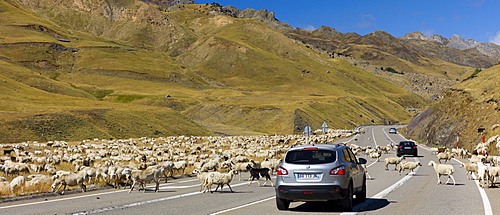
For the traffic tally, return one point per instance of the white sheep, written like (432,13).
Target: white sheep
(443,169)
(376,155)
(71,179)
(271,164)
(17,183)
(220,179)
(239,168)
(202,176)
(493,173)
(143,176)
(408,165)
(393,160)
(445,156)
(482,174)
(470,168)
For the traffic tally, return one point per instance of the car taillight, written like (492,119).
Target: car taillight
(400,147)
(281,171)
(414,147)
(340,170)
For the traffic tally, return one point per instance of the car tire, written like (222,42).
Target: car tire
(282,204)
(346,203)
(398,155)
(361,196)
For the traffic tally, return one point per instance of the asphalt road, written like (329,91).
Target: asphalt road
(387,192)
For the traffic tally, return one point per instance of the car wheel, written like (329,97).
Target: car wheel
(282,204)
(398,155)
(361,196)
(346,203)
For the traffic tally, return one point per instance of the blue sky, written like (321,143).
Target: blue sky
(472,19)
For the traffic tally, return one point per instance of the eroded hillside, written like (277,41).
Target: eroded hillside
(467,108)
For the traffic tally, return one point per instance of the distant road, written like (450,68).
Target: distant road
(388,192)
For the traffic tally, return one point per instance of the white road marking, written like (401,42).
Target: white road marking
(95,194)
(101,210)
(245,205)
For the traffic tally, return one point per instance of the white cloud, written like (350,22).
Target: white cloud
(367,20)
(495,39)
(309,28)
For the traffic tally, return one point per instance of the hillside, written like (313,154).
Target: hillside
(466,108)
(75,70)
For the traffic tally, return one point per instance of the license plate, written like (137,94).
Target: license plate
(308,176)
(407,147)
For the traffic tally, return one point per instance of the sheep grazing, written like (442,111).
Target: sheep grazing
(408,165)
(445,156)
(219,179)
(71,179)
(393,160)
(469,169)
(443,169)
(143,176)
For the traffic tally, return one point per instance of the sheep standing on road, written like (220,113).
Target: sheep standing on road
(482,174)
(220,179)
(408,165)
(70,179)
(445,156)
(203,177)
(443,169)
(393,160)
(469,169)
(143,176)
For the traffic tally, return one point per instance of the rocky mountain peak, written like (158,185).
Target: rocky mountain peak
(326,32)
(415,36)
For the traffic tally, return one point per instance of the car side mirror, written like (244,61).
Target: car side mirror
(362,161)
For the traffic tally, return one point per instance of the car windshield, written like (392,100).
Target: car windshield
(311,156)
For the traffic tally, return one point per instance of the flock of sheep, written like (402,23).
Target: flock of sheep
(32,167)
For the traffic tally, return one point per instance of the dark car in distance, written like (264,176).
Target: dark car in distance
(407,148)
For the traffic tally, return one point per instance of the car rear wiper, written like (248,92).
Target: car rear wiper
(301,161)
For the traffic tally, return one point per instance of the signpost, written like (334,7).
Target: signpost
(324,127)
(307,133)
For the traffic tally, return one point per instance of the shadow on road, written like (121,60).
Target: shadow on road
(368,205)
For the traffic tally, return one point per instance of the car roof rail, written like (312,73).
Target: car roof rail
(340,144)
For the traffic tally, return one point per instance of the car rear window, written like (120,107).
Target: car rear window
(407,144)
(311,156)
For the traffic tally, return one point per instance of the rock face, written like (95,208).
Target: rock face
(457,42)
(169,3)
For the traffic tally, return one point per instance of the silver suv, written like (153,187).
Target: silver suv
(323,172)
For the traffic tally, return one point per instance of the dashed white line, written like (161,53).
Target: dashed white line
(245,205)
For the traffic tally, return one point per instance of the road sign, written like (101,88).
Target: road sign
(307,131)
(324,127)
